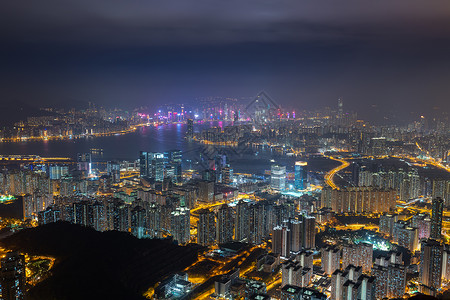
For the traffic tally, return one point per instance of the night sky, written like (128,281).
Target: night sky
(305,54)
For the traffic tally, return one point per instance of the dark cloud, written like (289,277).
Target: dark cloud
(305,53)
(113,22)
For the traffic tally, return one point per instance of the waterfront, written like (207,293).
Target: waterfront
(155,139)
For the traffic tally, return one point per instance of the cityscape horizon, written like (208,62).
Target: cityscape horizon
(225,150)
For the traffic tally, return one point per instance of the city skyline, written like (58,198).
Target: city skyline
(225,150)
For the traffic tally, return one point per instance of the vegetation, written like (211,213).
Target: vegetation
(98,265)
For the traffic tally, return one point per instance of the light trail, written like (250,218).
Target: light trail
(330,175)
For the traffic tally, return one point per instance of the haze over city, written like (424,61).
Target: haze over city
(390,55)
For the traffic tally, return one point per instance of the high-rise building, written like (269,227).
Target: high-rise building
(301,175)
(387,221)
(257,223)
(57,171)
(351,284)
(378,146)
(293,273)
(292,292)
(330,259)
(360,255)
(190,129)
(437,210)
(278,177)
(180,225)
(430,265)
(224,224)
(206,191)
(359,200)
(84,162)
(242,222)
(50,215)
(296,228)
(446,263)
(12,276)
(206,227)
(340,107)
(113,170)
(82,213)
(154,220)
(281,238)
(405,235)
(305,258)
(423,224)
(338,278)
(227,174)
(151,164)
(138,220)
(173,161)
(390,276)
(396,281)
(309,231)
(441,189)
(98,216)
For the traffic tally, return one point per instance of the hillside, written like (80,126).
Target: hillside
(98,265)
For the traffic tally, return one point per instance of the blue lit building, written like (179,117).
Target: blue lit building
(301,175)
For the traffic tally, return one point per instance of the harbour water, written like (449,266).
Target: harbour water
(154,139)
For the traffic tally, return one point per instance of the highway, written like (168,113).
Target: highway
(330,175)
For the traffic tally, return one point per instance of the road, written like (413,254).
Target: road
(330,175)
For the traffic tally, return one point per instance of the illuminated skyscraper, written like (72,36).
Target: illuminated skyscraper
(227,174)
(138,219)
(224,224)
(173,161)
(256,223)
(180,225)
(441,189)
(340,107)
(339,278)
(301,175)
(206,227)
(242,222)
(113,170)
(330,259)
(391,276)
(58,171)
(84,162)
(296,228)
(437,210)
(82,213)
(154,220)
(190,129)
(98,216)
(430,265)
(12,276)
(359,255)
(294,273)
(281,237)
(309,231)
(206,191)
(152,165)
(387,221)
(423,224)
(446,263)
(278,177)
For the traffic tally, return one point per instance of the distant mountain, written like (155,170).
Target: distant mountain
(98,265)
(15,111)
(68,104)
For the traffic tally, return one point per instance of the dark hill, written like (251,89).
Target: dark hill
(15,111)
(98,265)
